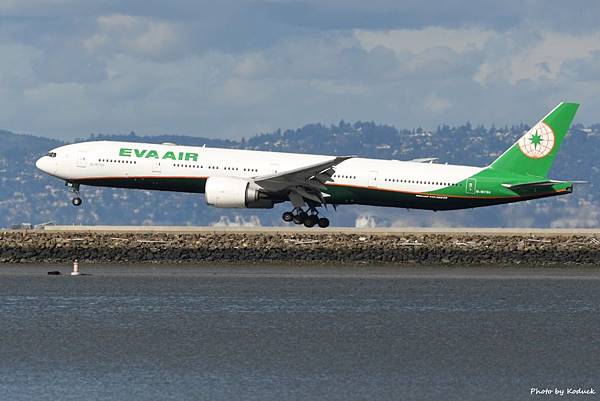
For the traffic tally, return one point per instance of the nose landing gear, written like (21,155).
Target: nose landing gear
(309,219)
(75,189)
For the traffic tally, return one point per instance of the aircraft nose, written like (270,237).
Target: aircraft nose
(44,164)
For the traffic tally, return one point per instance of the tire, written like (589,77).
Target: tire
(287,216)
(311,221)
(76,201)
(300,217)
(323,222)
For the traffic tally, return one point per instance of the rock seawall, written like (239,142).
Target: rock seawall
(298,248)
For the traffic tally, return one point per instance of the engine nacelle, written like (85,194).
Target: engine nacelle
(235,192)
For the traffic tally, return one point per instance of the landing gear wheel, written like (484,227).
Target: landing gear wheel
(74,188)
(300,217)
(288,216)
(311,221)
(323,222)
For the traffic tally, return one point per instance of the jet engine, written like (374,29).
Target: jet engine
(233,192)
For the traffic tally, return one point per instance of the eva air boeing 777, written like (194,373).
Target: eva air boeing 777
(252,179)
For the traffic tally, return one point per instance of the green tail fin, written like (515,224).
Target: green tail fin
(535,151)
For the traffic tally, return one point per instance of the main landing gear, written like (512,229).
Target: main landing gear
(75,189)
(309,218)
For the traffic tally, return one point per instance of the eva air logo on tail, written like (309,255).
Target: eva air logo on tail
(538,141)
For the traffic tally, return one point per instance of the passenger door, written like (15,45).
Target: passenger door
(471,186)
(373,178)
(81,159)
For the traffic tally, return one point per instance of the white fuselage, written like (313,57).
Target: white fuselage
(105,159)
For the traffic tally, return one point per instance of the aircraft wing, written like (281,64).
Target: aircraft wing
(539,184)
(303,183)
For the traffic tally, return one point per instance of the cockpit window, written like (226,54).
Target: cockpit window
(51,154)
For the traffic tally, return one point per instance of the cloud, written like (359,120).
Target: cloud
(582,69)
(236,68)
(69,64)
(138,36)
(436,104)
(419,40)
(544,55)
(29,7)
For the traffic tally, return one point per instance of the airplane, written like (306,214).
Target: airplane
(233,178)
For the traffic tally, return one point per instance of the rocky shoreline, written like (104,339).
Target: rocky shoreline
(299,248)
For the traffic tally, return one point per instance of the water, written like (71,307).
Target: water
(258,333)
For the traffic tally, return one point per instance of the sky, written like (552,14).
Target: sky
(232,69)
